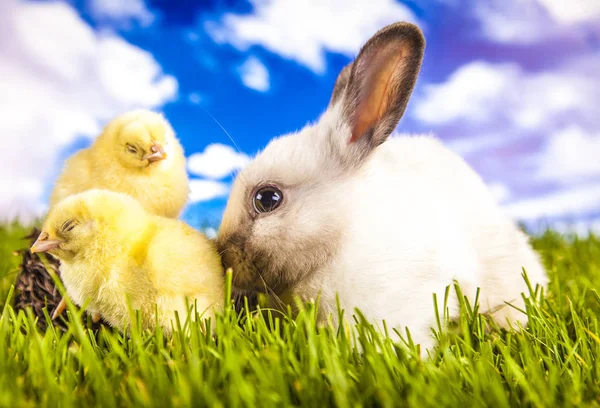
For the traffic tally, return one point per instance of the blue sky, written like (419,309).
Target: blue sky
(511,86)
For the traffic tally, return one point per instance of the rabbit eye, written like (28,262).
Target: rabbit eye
(267,199)
(131,148)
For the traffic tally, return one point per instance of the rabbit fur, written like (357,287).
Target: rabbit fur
(381,222)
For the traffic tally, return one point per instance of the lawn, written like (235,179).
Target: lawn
(275,360)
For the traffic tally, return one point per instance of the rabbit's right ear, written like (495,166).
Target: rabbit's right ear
(380,83)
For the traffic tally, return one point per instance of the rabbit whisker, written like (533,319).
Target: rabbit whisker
(228,135)
(280,303)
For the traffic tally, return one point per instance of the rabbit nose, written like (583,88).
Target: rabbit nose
(244,275)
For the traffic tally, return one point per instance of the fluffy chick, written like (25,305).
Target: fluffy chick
(111,250)
(137,154)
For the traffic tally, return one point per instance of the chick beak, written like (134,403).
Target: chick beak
(158,153)
(44,244)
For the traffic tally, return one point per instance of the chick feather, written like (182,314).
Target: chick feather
(112,252)
(138,154)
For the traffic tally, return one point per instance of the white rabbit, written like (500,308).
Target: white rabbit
(332,209)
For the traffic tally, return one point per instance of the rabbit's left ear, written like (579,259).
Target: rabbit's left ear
(380,82)
(340,84)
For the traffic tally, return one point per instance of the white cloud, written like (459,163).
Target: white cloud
(303,30)
(131,75)
(195,98)
(26,204)
(571,202)
(529,21)
(206,190)
(527,130)
(570,12)
(210,232)
(216,162)
(508,22)
(469,93)
(465,146)
(570,155)
(60,79)
(121,12)
(482,92)
(254,74)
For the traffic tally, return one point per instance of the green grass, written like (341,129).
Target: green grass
(271,360)
(11,239)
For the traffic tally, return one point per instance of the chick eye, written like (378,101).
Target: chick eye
(68,225)
(267,199)
(131,148)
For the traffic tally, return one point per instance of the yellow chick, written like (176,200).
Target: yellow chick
(112,250)
(137,154)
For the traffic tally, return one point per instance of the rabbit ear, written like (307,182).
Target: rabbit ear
(381,81)
(340,84)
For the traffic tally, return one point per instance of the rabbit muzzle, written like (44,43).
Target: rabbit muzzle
(252,271)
